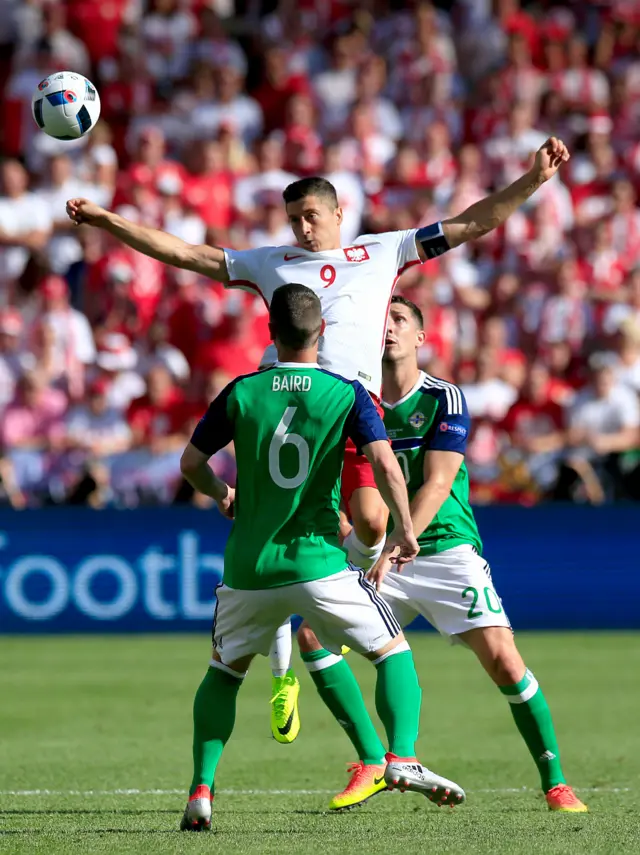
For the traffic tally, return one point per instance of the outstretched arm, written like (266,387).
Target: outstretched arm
(490,213)
(207,260)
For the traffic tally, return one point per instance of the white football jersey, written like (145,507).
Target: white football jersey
(354,285)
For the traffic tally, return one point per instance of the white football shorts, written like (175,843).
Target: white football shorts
(452,590)
(342,609)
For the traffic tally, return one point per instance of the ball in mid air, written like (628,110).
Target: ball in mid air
(65,105)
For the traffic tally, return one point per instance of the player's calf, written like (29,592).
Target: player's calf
(496,649)
(398,698)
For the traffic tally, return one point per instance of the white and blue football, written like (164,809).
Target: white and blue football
(65,105)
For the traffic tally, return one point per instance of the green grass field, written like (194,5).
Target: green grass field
(87,718)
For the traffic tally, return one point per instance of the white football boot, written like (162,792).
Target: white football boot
(197,814)
(407,774)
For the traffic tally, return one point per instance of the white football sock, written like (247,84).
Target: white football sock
(360,554)
(281,648)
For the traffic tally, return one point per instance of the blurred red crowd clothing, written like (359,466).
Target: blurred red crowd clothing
(414,110)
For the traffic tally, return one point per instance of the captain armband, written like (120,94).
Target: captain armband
(432,240)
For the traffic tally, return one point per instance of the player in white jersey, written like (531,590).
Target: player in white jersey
(355,285)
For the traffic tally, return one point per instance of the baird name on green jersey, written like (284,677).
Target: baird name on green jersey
(291,383)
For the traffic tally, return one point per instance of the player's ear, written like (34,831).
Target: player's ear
(339,215)
(323,326)
(420,337)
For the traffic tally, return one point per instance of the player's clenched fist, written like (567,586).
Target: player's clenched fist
(83,211)
(550,156)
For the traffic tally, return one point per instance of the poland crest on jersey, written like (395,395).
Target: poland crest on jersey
(356,253)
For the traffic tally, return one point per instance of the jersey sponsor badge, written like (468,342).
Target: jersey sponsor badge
(417,420)
(356,253)
(446,427)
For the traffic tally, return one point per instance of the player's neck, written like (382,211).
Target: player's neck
(286,354)
(398,380)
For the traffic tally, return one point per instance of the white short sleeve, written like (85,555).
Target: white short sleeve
(246,269)
(402,244)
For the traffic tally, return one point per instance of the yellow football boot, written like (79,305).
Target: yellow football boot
(285,718)
(366,782)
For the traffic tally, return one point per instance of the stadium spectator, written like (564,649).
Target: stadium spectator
(335,88)
(25,222)
(626,366)
(488,396)
(116,362)
(214,46)
(155,350)
(625,311)
(208,186)
(72,344)
(94,436)
(64,248)
(31,424)
(229,107)
(14,360)
(269,176)
(67,51)
(278,87)
(167,32)
(159,423)
(535,426)
(604,422)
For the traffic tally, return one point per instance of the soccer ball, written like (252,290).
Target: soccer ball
(65,105)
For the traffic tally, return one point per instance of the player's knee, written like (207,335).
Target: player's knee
(371,527)
(498,654)
(507,665)
(307,640)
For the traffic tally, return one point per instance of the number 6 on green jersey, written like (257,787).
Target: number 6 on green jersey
(281,438)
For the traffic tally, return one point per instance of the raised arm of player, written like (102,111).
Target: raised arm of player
(207,260)
(490,213)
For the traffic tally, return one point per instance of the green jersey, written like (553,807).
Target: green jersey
(434,416)
(289,425)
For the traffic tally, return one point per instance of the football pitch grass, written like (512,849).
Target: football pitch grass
(95,737)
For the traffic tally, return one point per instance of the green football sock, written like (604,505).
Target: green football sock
(214,715)
(340,691)
(398,697)
(533,719)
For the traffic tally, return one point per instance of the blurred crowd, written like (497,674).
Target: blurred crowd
(414,110)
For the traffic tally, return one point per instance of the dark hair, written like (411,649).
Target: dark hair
(295,316)
(415,311)
(313,186)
